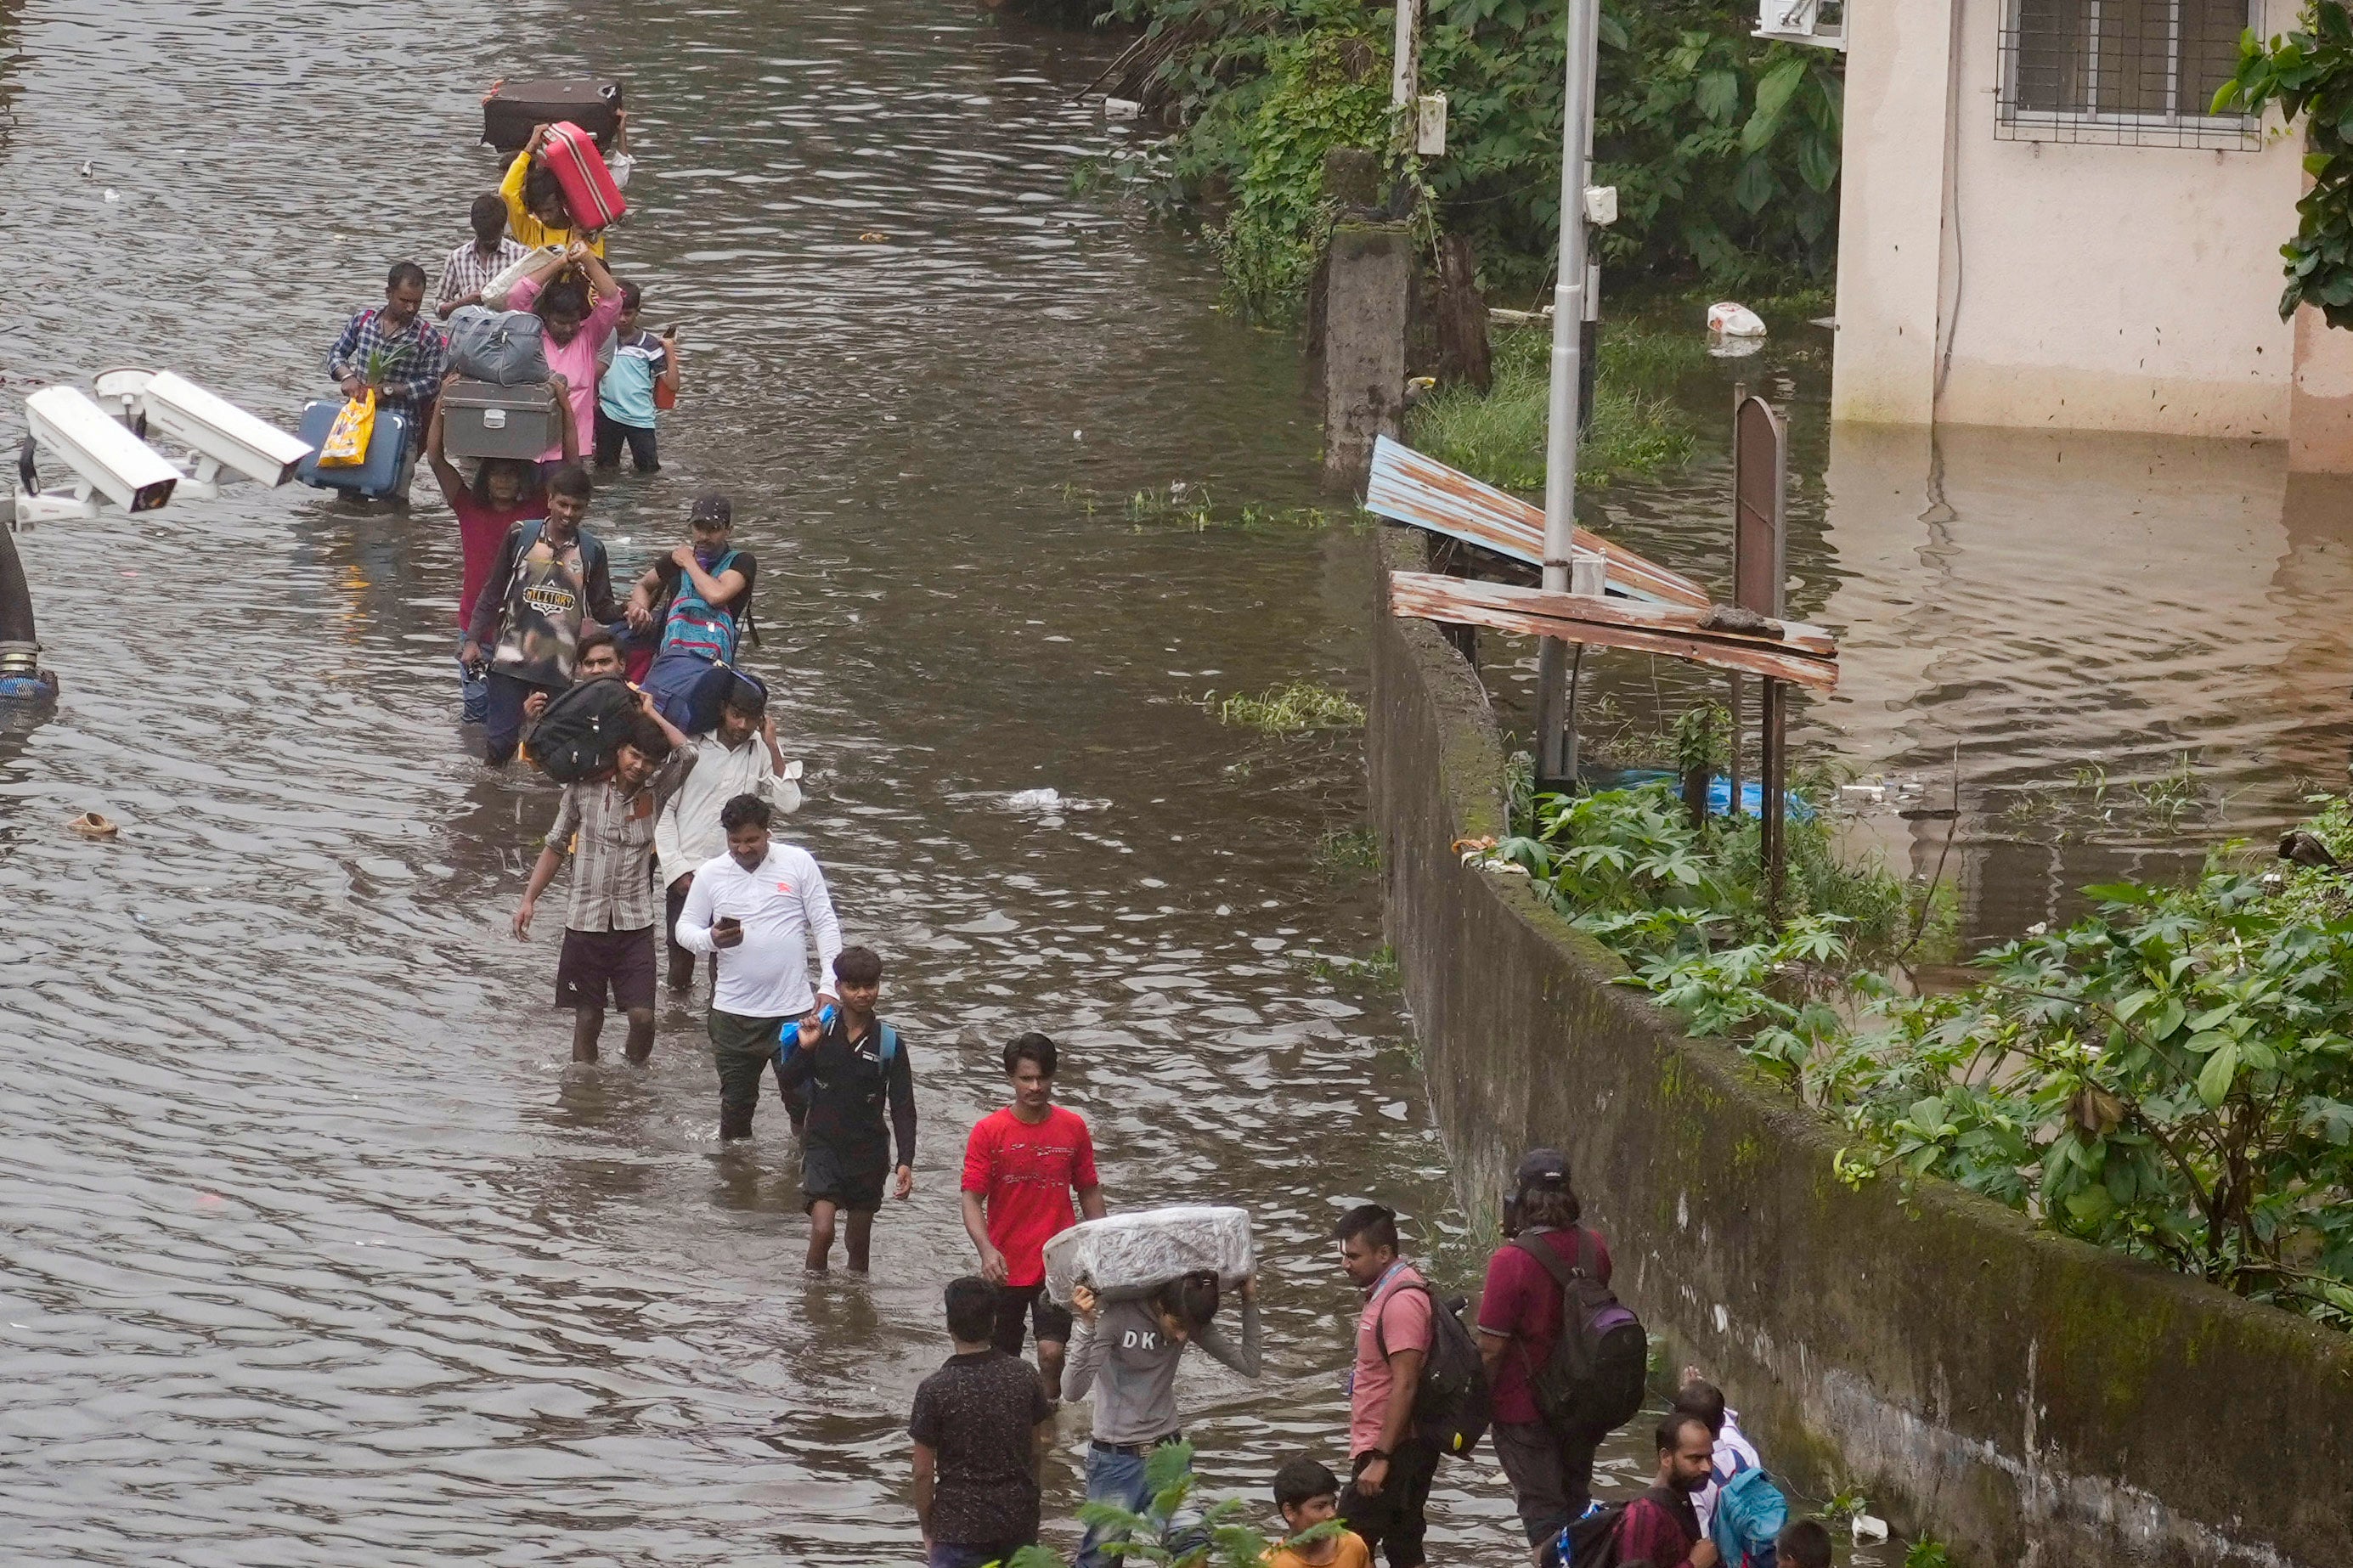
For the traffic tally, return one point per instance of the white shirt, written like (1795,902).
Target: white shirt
(688,833)
(782,905)
(1733,1454)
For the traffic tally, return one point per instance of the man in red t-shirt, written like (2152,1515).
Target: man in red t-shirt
(1020,1166)
(1551,1470)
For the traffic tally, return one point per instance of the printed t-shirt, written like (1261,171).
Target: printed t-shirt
(545,605)
(625,394)
(1394,1317)
(1353,1554)
(1024,1174)
(480,530)
(977,1414)
(1521,1299)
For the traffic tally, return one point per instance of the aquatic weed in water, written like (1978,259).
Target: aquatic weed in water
(1292,710)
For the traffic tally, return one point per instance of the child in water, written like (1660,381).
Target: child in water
(850,1064)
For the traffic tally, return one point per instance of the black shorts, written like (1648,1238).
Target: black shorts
(597,961)
(1016,1302)
(846,1181)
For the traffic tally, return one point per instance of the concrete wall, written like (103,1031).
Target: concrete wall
(2081,286)
(2031,1400)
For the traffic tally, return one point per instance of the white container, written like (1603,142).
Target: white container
(1125,1256)
(495,292)
(1734,320)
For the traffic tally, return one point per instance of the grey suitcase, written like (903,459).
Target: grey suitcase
(503,347)
(484,420)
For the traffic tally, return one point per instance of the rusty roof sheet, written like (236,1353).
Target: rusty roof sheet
(1802,655)
(1410,488)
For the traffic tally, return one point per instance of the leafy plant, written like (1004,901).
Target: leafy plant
(1926,1552)
(2309,75)
(1170,1529)
(1723,148)
(1499,435)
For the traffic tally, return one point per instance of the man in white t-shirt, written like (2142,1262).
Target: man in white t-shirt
(740,757)
(1734,1452)
(758,907)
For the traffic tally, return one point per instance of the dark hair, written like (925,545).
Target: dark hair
(646,739)
(858,966)
(1671,1430)
(564,300)
(1304,1479)
(1191,1298)
(1803,1543)
(570,479)
(1032,1047)
(490,210)
(1548,1206)
(528,474)
(540,188)
(404,272)
(1705,1399)
(631,296)
(744,811)
(593,638)
(746,699)
(972,1309)
(1377,1224)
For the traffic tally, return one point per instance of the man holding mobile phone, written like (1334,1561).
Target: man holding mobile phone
(758,907)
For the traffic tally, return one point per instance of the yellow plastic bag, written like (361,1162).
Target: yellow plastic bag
(347,443)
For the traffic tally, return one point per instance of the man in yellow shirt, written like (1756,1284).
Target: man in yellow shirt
(536,215)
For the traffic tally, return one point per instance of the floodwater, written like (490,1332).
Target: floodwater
(315,1254)
(2068,657)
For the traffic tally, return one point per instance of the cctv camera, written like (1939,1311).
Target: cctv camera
(221,435)
(104,455)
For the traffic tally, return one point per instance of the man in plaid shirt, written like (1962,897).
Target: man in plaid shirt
(390,348)
(473,265)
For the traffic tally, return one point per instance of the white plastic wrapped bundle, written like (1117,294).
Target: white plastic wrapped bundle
(1124,1256)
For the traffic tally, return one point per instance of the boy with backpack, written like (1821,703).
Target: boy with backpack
(704,589)
(849,1063)
(551,580)
(1565,1360)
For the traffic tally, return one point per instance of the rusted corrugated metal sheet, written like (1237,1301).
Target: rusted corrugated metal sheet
(1409,488)
(1802,655)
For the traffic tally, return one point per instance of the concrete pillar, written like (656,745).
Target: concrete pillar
(1367,289)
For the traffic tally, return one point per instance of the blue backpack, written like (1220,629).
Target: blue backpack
(1749,1513)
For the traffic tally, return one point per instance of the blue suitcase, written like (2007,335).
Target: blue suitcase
(373,480)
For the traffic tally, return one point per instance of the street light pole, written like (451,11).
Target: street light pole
(1556,744)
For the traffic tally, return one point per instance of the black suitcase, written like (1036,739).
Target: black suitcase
(511,108)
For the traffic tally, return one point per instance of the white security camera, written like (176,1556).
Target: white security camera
(105,457)
(219,433)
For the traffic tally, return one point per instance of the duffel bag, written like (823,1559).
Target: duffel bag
(503,347)
(580,731)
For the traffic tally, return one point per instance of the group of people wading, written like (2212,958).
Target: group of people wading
(688,809)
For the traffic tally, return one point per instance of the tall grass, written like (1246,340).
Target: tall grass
(1637,431)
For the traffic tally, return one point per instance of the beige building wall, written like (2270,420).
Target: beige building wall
(2060,285)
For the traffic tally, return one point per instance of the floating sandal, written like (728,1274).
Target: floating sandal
(90,825)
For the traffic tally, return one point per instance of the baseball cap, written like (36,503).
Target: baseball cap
(1543,1168)
(712,507)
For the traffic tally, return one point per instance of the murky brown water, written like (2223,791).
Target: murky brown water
(2060,620)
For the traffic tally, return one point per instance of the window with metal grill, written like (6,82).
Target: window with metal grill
(2138,72)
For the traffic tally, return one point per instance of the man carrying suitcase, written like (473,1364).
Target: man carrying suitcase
(390,350)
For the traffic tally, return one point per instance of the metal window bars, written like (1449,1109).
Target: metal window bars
(2140,73)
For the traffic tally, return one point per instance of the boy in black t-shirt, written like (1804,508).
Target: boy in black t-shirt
(849,1063)
(981,1426)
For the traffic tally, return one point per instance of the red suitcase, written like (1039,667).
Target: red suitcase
(579,169)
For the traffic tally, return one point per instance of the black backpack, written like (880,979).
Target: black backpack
(1590,1542)
(1594,1379)
(1449,1402)
(580,731)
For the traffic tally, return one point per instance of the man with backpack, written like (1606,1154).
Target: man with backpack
(1660,1527)
(1537,1314)
(1394,1464)
(606,824)
(852,1068)
(705,590)
(1739,1508)
(551,580)
(740,756)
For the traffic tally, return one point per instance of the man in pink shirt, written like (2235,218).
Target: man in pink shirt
(1394,1466)
(574,330)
